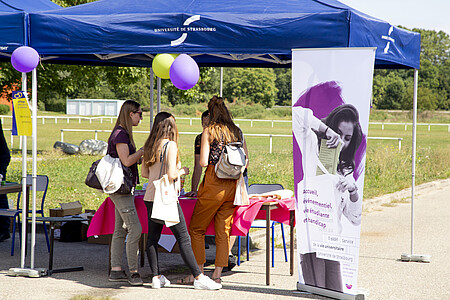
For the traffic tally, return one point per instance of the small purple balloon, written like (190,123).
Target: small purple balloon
(184,72)
(25,59)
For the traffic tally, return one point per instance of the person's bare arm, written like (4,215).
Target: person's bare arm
(124,154)
(145,171)
(204,149)
(196,175)
(246,153)
(172,168)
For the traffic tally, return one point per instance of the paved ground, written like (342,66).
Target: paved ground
(386,234)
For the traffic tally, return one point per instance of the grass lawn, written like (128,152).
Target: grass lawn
(387,169)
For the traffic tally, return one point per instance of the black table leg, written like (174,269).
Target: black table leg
(291,224)
(267,245)
(50,256)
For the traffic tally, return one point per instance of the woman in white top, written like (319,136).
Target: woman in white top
(161,157)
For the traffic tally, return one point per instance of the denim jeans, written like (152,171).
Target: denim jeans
(181,234)
(127,222)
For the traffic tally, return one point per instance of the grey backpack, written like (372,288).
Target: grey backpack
(231,162)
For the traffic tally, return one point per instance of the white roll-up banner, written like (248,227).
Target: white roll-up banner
(331,96)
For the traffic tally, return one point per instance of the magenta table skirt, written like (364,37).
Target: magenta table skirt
(103,220)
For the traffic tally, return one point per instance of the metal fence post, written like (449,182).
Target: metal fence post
(96,134)
(399,144)
(62,135)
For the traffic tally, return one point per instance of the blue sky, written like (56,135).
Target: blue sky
(426,14)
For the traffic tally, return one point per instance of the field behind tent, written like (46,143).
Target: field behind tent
(387,169)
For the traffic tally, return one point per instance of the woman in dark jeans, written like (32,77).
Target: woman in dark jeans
(161,157)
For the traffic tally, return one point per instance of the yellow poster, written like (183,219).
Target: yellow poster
(22,114)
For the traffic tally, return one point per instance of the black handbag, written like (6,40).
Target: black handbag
(91,178)
(126,187)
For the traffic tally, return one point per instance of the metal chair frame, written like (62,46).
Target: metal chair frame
(41,186)
(259,189)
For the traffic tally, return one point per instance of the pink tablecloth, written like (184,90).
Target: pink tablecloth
(103,220)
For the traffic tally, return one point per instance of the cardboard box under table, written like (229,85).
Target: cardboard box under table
(67,209)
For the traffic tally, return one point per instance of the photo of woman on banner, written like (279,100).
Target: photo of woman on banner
(332,146)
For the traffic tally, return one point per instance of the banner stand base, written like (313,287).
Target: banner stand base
(328,293)
(425,258)
(33,273)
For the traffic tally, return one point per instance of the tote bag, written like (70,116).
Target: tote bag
(165,206)
(126,183)
(241,196)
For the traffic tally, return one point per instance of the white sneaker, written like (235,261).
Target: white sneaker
(160,282)
(206,283)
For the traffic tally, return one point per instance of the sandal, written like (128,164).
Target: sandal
(188,280)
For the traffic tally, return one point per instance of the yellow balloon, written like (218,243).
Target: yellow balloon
(161,64)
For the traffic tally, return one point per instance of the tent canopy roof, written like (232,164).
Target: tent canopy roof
(13,15)
(234,33)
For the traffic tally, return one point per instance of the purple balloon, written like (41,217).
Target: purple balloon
(184,72)
(25,59)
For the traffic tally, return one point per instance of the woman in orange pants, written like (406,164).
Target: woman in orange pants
(215,195)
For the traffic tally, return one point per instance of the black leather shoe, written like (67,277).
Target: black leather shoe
(4,236)
(231,263)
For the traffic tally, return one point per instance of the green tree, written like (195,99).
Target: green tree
(393,93)
(284,85)
(251,85)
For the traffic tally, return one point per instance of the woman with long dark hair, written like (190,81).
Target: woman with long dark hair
(121,145)
(161,157)
(215,195)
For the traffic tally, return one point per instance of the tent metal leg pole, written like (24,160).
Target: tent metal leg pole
(412,256)
(152,88)
(24,186)
(413,166)
(34,161)
(158,105)
(221,81)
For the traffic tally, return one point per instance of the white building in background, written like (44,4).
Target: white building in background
(93,107)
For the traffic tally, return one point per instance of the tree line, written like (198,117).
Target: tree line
(392,89)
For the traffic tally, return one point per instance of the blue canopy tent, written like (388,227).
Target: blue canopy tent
(233,33)
(259,33)
(14,24)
